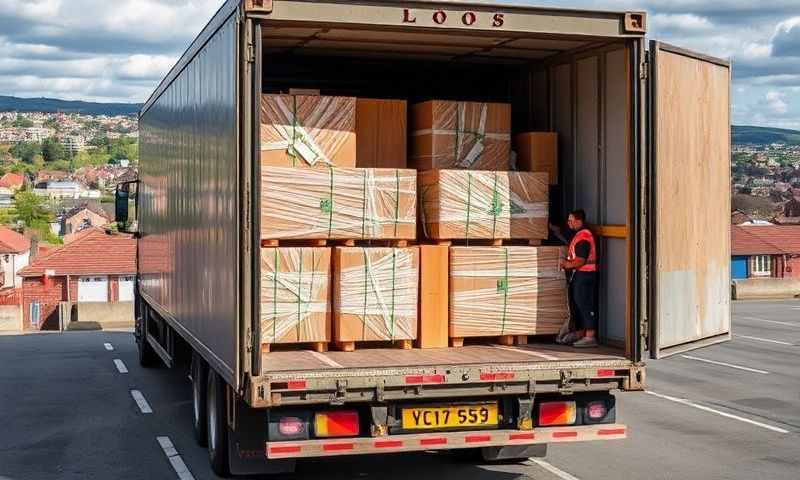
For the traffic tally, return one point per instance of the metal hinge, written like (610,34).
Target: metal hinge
(341,393)
(248,336)
(565,385)
(644,68)
(251,53)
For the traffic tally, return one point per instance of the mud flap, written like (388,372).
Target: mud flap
(247,444)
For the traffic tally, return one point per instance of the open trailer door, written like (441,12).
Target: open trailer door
(690,202)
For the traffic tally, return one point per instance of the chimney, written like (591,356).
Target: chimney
(34,247)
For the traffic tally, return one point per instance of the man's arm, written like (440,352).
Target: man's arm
(581,254)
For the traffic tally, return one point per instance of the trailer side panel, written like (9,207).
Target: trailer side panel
(189,199)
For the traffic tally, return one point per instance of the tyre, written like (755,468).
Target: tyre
(217,425)
(147,356)
(199,372)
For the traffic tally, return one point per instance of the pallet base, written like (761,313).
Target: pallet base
(487,242)
(322,242)
(351,346)
(508,340)
(319,347)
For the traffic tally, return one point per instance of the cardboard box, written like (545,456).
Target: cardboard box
(529,205)
(468,135)
(433,296)
(295,289)
(381,133)
(465,204)
(506,291)
(538,152)
(375,293)
(343,203)
(308,131)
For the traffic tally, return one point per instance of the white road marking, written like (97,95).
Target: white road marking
(141,401)
(553,469)
(789,324)
(174,459)
(325,359)
(765,340)
(738,367)
(120,366)
(526,352)
(109,347)
(683,401)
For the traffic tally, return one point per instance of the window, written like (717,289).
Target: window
(34,314)
(761,265)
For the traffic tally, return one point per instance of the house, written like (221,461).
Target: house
(765,251)
(96,271)
(15,251)
(82,217)
(12,181)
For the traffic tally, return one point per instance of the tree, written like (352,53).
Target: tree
(52,150)
(31,208)
(22,122)
(25,151)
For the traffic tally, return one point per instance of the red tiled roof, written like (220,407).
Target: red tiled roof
(93,252)
(13,242)
(11,180)
(765,239)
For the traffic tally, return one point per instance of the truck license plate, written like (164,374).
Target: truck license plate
(459,416)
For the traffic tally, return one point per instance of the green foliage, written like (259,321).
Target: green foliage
(44,233)
(25,151)
(52,150)
(31,208)
(100,142)
(52,123)
(22,122)
(61,165)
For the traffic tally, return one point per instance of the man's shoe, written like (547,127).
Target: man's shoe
(585,342)
(569,338)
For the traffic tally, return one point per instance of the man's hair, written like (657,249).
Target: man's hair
(579,214)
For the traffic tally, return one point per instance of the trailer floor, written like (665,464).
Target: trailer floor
(301,360)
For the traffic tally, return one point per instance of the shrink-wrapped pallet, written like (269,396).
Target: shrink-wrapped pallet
(528,194)
(466,204)
(538,152)
(470,135)
(295,303)
(308,131)
(338,203)
(375,293)
(506,291)
(381,133)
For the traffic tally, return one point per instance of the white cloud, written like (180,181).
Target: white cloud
(145,67)
(683,21)
(776,102)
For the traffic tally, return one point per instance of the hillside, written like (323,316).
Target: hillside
(764,135)
(53,105)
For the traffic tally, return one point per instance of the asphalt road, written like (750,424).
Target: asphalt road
(66,412)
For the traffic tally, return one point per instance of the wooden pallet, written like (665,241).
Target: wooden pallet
(352,346)
(282,347)
(322,242)
(487,242)
(508,340)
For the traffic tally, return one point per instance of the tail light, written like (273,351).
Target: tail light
(342,423)
(596,410)
(557,413)
(291,426)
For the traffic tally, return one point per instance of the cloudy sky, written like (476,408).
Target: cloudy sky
(118,51)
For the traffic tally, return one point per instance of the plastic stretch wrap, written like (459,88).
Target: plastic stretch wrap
(466,204)
(295,303)
(471,135)
(352,203)
(506,291)
(308,130)
(375,293)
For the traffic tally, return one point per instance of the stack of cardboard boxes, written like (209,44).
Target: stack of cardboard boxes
(333,168)
(339,207)
(469,196)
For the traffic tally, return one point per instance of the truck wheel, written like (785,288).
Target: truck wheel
(147,356)
(217,424)
(199,371)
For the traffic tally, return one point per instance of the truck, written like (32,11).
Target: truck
(644,149)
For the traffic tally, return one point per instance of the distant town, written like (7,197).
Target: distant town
(765,182)
(54,163)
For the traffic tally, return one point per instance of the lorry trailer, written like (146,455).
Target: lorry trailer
(644,148)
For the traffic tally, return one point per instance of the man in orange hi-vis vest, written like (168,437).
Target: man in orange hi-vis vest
(581,267)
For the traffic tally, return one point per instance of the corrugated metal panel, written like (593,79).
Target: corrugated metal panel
(189,208)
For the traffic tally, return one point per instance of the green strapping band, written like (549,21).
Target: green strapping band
(504,285)
(394,273)
(479,137)
(275,297)
(299,293)
(330,210)
(396,200)
(469,203)
(497,206)
(364,206)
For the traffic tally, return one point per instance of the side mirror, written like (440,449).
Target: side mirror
(125,192)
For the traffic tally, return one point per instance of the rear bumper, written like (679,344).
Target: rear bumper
(443,441)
